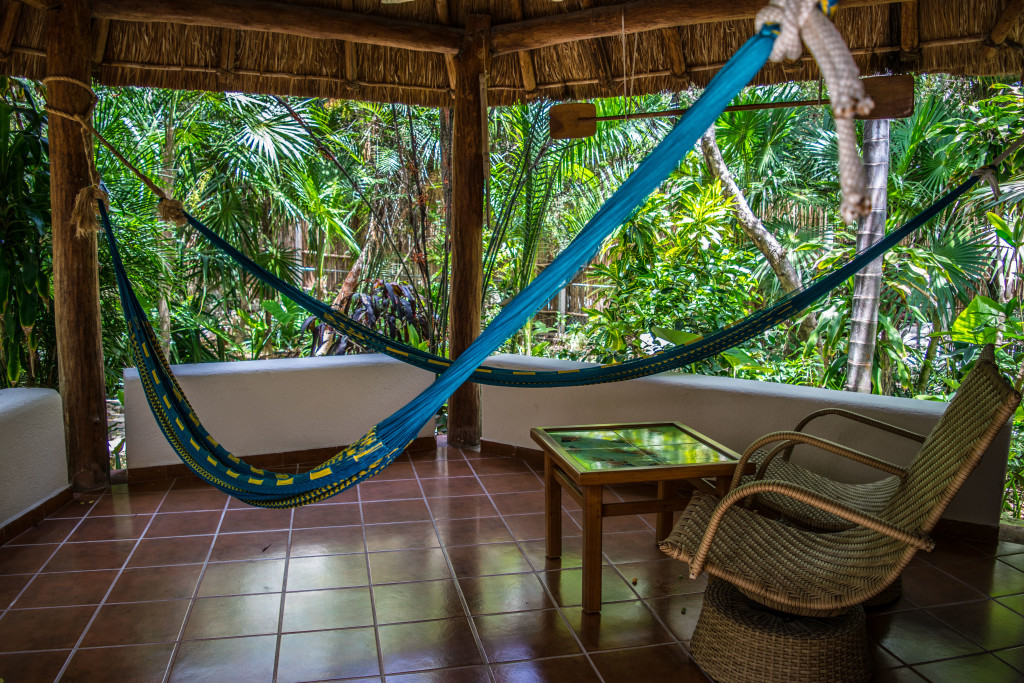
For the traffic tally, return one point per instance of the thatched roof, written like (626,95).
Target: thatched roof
(575,49)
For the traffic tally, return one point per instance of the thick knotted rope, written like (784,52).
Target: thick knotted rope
(84,212)
(801,23)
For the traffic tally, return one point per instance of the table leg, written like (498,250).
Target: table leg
(552,509)
(592,523)
(666,489)
(722,486)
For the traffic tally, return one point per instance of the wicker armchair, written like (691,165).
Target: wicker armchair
(774,464)
(823,577)
(805,572)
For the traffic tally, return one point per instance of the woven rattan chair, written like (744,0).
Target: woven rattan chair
(804,572)
(774,464)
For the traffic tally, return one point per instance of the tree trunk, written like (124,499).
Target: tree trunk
(868,283)
(765,241)
(167,176)
(929,358)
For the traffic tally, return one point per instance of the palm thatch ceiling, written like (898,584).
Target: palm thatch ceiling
(574,49)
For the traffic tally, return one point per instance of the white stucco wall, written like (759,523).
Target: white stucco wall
(735,413)
(273,406)
(31,450)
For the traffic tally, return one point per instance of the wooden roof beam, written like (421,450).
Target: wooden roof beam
(525,58)
(277,17)
(641,15)
(444,16)
(676,58)
(8,23)
(997,36)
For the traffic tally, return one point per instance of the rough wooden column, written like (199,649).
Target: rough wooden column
(75,271)
(468,141)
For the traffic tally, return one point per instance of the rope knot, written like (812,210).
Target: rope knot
(83,213)
(803,22)
(172,211)
(988,174)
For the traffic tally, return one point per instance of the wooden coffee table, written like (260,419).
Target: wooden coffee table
(585,459)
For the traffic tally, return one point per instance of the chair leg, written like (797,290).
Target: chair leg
(739,641)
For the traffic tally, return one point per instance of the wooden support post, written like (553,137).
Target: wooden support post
(1002,27)
(468,151)
(75,269)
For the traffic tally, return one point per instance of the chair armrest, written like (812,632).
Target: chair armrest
(863,419)
(795,438)
(869,521)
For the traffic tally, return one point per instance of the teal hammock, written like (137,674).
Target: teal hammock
(386,440)
(669,359)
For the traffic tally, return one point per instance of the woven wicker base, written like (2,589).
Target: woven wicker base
(739,641)
(892,593)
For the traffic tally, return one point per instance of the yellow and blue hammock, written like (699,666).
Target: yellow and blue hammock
(385,441)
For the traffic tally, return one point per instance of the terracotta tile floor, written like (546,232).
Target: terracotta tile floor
(433,571)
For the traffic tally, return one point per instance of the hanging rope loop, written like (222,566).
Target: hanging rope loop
(84,212)
(805,22)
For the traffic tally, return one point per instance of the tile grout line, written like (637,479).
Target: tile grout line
(369,587)
(110,589)
(284,592)
(195,591)
(544,586)
(451,569)
(39,571)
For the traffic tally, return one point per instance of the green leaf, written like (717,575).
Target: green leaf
(979,323)
(677,337)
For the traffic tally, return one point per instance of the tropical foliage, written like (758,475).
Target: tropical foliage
(311,190)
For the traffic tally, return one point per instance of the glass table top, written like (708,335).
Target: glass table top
(633,446)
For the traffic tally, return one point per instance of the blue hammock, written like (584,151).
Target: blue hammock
(385,441)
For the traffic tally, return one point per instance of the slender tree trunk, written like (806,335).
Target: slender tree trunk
(868,283)
(929,358)
(765,241)
(168,175)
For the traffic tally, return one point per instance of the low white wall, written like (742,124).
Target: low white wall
(736,412)
(31,450)
(280,405)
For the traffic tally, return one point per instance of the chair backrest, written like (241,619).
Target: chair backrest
(981,406)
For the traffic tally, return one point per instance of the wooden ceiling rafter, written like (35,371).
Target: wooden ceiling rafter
(1001,30)
(910,38)
(444,16)
(9,18)
(348,56)
(226,58)
(526,67)
(100,32)
(298,20)
(676,59)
